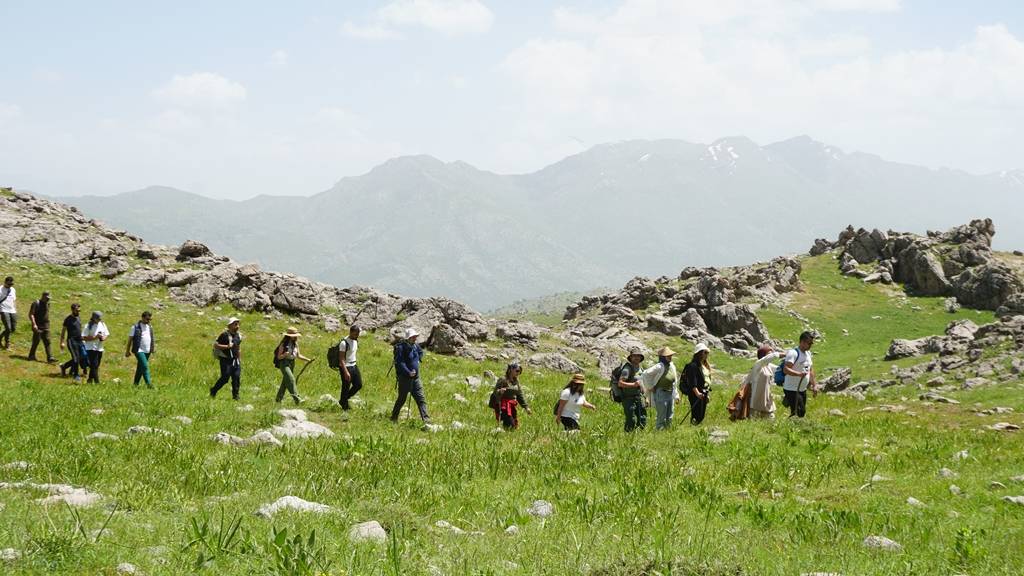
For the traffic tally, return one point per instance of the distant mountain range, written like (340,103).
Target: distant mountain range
(418,226)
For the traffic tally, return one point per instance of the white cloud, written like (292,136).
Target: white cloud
(448,17)
(9,112)
(857,5)
(201,90)
(279,59)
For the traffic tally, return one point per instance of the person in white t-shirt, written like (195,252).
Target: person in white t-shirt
(799,370)
(142,344)
(351,379)
(94,334)
(8,311)
(570,403)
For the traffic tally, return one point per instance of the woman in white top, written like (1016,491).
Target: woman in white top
(285,355)
(570,402)
(94,334)
(757,385)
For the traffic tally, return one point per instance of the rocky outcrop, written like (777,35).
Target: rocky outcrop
(51,233)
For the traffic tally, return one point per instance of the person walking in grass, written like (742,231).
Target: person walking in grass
(94,335)
(142,345)
(284,358)
(8,311)
(39,315)
(571,401)
(228,349)
(756,391)
(696,383)
(351,379)
(661,379)
(71,334)
(633,400)
(799,370)
(408,355)
(507,397)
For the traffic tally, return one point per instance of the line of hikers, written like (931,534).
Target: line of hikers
(632,385)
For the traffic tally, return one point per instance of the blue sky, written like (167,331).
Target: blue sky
(234,99)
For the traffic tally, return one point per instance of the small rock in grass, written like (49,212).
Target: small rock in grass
(541,509)
(512,530)
(717,436)
(433,428)
(225,438)
(456,425)
(933,397)
(837,413)
(882,543)
(296,414)
(1003,427)
(134,430)
(820,574)
(961,455)
(972,383)
(370,531)
(96,411)
(1019,500)
(459,398)
(955,490)
(184,420)
(915,502)
(9,555)
(126,568)
(947,473)
(263,437)
(446,525)
(291,503)
(300,429)
(994,485)
(246,408)
(327,398)
(102,436)
(878,478)
(18,465)
(1017,478)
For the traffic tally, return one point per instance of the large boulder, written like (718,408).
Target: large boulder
(867,246)
(735,319)
(554,361)
(921,270)
(518,332)
(987,286)
(191,249)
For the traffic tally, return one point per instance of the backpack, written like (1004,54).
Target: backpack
(613,383)
(334,356)
(780,372)
(276,361)
(557,402)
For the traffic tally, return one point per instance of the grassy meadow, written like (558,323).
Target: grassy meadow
(775,498)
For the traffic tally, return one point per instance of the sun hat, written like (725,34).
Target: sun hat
(635,351)
(291,331)
(410,333)
(578,378)
(702,347)
(666,352)
(97,315)
(232,320)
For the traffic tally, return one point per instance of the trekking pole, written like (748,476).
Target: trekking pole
(299,375)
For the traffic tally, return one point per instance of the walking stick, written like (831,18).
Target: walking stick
(299,375)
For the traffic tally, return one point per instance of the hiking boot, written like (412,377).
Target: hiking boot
(213,393)
(77,379)
(298,399)
(63,371)
(32,359)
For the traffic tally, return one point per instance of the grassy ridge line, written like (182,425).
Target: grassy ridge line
(623,503)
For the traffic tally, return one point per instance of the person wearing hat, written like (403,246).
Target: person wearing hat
(8,311)
(661,380)
(351,378)
(94,335)
(142,345)
(508,396)
(71,333)
(39,315)
(696,383)
(407,356)
(632,389)
(284,358)
(228,349)
(570,402)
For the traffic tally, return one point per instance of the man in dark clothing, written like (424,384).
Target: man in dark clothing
(351,379)
(39,315)
(633,391)
(408,355)
(229,352)
(71,333)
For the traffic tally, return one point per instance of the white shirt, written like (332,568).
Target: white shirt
(145,340)
(801,362)
(573,404)
(98,329)
(8,305)
(350,351)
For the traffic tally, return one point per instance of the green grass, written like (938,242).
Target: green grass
(641,504)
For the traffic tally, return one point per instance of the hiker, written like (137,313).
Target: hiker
(570,402)
(71,333)
(142,344)
(799,371)
(228,350)
(508,396)
(754,400)
(632,391)
(94,335)
(284,359)
(351,379)
(8,311)
(39,315)
(696,383)
(661,380)
(408,355)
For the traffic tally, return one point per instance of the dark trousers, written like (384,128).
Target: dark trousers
(79,358)
(636,412)
(41,335)
(350,388)
(94,357)
(229,369)
(10,322)
(570,423)
(698,407)
(797,402)
(407,386)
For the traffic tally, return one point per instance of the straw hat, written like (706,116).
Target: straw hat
(578,378)
(666,352)
(702,347)
(292,331)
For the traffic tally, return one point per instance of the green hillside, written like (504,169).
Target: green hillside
(775,498)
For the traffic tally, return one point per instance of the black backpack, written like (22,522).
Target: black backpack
(334,355)
(613,383)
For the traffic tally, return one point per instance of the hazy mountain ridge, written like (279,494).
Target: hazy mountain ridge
(421,226)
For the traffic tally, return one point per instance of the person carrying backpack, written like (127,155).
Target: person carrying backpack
(570,402)
(632,391)
(351,379)
(142,344)
(407,357)
(799,371)
(661,379)
(228,350)
(284,359)
(508,396)
(696,383)
(71,333)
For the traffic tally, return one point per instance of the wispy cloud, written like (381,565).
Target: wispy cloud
(201,90)
(448,17)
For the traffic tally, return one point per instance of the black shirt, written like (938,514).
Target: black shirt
(73,326)
(235,340)
(41,312)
